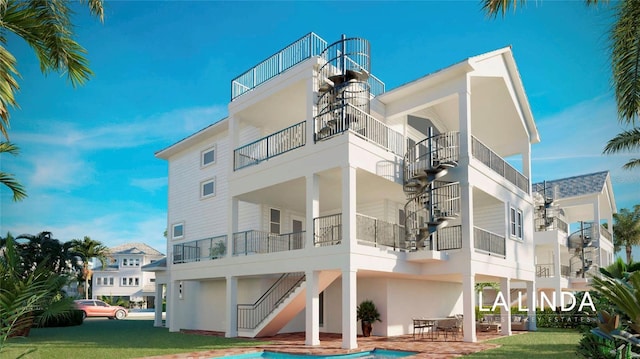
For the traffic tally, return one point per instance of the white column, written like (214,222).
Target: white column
(526,163)
(469,308)
(349,320)
(232,225)
(505,315)
(464,113)
(157,303)
(232,307)
(311,108)
(312,311)
(557,268)
(596,223)
(466,218)
(313,207)
(172,305)
(349,207)
(531,304)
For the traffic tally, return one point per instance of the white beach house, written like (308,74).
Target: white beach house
(321,189)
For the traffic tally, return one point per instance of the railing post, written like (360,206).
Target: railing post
(245,244)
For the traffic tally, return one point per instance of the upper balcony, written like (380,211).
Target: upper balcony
(305,47)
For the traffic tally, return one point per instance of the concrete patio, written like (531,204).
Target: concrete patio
(331,344)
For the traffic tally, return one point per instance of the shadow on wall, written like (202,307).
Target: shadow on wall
(391,170)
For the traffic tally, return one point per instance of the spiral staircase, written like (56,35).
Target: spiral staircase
(344,92)
(431,202)
(583,243)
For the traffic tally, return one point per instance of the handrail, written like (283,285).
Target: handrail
(550,223)
(438,149)
(257,242)
(484,154)
(201,249)
(605,233)
(488,242)
(270,146)
(327,230)
(249,316)
(447,238)
(350,118)
(305,47)
(380,233)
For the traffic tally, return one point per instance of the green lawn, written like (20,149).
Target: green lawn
(103,338)
(545,343)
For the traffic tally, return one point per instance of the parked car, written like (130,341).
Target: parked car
(98,308)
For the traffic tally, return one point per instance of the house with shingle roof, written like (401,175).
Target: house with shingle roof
(573,218)
(123,276)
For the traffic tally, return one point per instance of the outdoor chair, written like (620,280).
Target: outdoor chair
(449,326)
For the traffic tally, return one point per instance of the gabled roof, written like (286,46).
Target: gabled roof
(134,248)
(592,183)
(158,265)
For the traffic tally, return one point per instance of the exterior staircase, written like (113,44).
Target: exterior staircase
(431,202)
(583,243)
(278,305)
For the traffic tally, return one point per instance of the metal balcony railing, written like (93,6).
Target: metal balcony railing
(327,230)
(370,230)
(550,224)
(251,315)
(307,46)
(346,117)
(544,270)
(485,155)
(259,242)
(565,271)
(270,146)
(489,243)
(447,238)
(605,233)
(199,250)
(431,152)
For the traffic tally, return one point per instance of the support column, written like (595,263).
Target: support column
(312,311)
(557,268)
(505,315)
(596,223)
(311,108)
(349,321)
(469,308)
(349,207)
(313,207)
(232,307)
(531,304)
(157,303)
(172,299)
(232,225)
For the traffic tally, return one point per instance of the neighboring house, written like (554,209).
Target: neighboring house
(573,221)
(321,190)
(123,276)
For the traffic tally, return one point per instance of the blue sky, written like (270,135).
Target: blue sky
(163,70)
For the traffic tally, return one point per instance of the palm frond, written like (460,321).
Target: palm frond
(8,147)
(494,7)
(96,7)
(633,163)
(8,87)
(625,141)
(19,192)
(625,59)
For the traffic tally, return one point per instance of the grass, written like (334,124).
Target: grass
(545,343)
(103,338)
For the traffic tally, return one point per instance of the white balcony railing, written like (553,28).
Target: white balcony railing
(484,154)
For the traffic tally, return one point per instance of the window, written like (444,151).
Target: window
(208,188)
(125,262)
(99,281)
(110,280)
(515,223)
(152,280)
(208,156)
(136,262)
(178,230)
(274,220)
(124,281)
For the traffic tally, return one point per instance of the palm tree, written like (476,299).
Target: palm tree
(7,179)
(626,230)
(625,65)
(87,249)
(626,141)
(46,26)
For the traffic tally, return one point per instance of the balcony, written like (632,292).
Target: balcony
(606,234)
(485,155)
(270,146)
(304,48)
(489,243)
(200,250)
(347,117)
(550,224)
(260,242)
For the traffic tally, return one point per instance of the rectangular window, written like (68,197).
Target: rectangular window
(152,280)
(274,220)
(110,280)
(99,281)
(137,262)
(136,281)
(208,156)
(124,281)
(125,262)
(208,188)
(515,223)
(130,281)
(178,230)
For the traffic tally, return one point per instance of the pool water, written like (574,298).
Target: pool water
(374,354)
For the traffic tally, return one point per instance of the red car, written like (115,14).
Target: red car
(98,308)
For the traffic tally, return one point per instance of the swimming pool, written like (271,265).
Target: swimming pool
(373,354)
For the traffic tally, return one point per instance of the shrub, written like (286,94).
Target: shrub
(68,319)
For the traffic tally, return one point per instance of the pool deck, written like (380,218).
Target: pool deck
(331,344)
